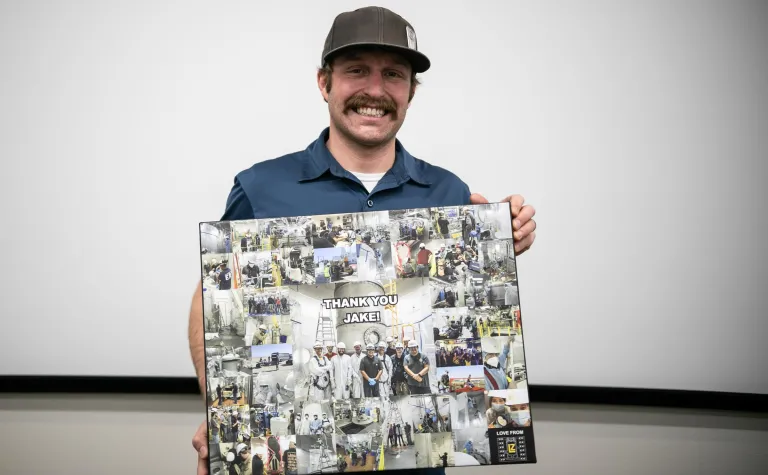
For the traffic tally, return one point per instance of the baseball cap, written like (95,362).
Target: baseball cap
(374,26)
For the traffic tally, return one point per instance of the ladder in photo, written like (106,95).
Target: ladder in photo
(391,289)
(325,333)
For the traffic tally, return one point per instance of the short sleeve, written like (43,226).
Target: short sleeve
(238,205)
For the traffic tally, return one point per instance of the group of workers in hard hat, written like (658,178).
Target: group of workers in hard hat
(383,370)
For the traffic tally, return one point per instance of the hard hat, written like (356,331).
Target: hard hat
(341,345)
(290,382)
(389,339)
(412,344)
(262,327)
(422,246)
(205,261)
(324,414)
(369,346)
(399,345)
(240,448)
(214,261)
(491,345)
(318,345)
(382,344)
(357,343)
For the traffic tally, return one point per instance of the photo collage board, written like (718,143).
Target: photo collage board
(367,341)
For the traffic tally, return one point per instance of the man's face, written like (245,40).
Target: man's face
(369,96)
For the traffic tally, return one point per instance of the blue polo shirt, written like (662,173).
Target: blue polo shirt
(311,182)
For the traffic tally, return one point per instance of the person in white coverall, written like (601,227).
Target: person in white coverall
(342,373)
(357,378)
(321,382)
(385,380)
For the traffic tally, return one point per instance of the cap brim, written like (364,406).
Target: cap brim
(419,62)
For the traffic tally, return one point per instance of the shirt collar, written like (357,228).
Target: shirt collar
(321,161)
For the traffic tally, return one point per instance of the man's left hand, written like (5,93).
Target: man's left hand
(523,225)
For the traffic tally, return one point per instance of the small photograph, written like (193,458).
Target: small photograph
(334,324)
(417,258)
(316,454)
(461,379)
(223,321)
(297,265)
(446,222)
(347,230)
(218,272)
(360,416)
(229,424)
(228,376)
(475,223)
(504,362)
(261,269)
(269,317)
(215,238)
(465,352)
(497,321)
(272,397)
(273,358)
(448,295)
(358,452)
(272,234)
(274,455)
(508,409)
(426,414)
(468,410)
(428,451)
(410,225)
(245,236)
(454,324)
(314,418)
(455,262)
(335,264)
(472,447)
(374,261)
(497,261)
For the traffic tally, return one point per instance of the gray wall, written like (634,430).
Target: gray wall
(122,435)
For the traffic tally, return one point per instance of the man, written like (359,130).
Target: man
(385,380)
(224,278)
(316,426)
(320,371)
(356,164)
(399,384)
(342,372)
(370,370)
(290,465)
(417,370)
(357,379)
(243,463)
(495,364)
(422,261)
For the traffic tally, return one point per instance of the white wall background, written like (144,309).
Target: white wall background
(637,129)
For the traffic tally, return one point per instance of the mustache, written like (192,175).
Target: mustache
(363,100)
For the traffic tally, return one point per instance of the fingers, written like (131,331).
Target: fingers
(525,244)
(523,216)
(477,199)
(527,229)
(515,203)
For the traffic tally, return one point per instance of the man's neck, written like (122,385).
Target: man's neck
(359,159)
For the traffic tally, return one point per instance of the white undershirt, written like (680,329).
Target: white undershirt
(369,180)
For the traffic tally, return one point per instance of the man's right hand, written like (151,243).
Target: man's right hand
(200,443)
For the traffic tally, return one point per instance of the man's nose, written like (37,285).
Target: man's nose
(375,84)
